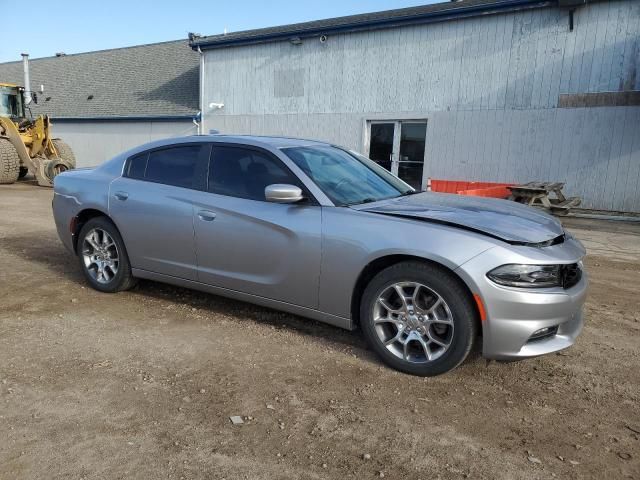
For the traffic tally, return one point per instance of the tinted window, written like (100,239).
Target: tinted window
(137,166)
(179,166)
(240,172)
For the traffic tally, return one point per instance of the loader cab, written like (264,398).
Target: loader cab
(11,101)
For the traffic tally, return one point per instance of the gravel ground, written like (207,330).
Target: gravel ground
(142,384)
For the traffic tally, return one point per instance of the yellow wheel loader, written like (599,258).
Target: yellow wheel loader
(26,144)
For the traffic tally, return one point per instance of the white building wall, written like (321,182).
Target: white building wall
(488,86)
(93,142)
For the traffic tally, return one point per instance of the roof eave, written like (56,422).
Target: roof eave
(128,118)
(462,11)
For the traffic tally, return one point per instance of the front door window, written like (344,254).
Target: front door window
(399,146)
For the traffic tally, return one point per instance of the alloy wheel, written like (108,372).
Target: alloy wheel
(100,255)
(413,322)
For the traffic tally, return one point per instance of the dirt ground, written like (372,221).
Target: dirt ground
(142,384)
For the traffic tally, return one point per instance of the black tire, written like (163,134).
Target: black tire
(122,280)
(450,289)
(9,162)
(23,172)
(65,152)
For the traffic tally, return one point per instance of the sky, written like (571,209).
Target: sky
(73,26)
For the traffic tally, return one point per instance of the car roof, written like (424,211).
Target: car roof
(256,140)
(268,143)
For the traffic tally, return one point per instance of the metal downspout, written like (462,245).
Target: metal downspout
(201,123)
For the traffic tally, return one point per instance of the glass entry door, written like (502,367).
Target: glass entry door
(399,146)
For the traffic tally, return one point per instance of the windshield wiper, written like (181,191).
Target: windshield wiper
(370,199)
(360,202)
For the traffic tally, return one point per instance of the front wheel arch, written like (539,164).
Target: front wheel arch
(379,264)
(420,341)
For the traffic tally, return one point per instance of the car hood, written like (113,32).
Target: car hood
(508,221)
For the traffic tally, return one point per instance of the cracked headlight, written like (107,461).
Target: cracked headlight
(527,276)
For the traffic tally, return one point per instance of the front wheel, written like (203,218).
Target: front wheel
(418,318)
(103,257)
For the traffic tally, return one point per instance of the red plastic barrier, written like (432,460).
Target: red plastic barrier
(493,192)
(479,189)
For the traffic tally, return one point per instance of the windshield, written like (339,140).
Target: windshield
(10,102)
(347,178)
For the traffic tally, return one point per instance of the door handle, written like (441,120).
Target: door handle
(121,195)
(206,215)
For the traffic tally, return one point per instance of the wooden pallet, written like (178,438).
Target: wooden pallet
(547,195)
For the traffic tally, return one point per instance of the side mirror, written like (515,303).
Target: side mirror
(283,193)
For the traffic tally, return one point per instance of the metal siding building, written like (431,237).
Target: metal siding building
(500,84)
(105,102)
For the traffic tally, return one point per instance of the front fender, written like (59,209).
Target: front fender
(352,239)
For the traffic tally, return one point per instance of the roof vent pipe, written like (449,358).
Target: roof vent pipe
(27,83)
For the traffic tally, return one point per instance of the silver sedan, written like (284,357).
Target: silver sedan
(319,231)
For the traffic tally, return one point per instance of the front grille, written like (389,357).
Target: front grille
(570,275)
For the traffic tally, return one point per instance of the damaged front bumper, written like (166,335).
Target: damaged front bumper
(527,322)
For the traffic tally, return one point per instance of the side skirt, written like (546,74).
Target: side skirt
(341,322)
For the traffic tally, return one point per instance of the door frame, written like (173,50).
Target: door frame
(398,120)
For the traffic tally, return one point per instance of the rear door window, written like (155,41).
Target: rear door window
(245,173)
(137,166)
(181,166)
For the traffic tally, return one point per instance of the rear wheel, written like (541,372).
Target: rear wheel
(65,152)
(103,257)
(418,318)
(9,162)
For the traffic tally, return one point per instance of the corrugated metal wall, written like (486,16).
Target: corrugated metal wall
(95,142)
(489,87)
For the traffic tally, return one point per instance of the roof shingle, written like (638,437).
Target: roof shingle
(156,80)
